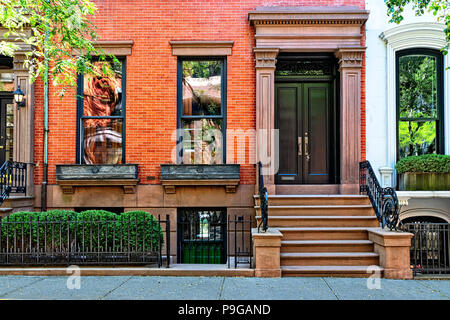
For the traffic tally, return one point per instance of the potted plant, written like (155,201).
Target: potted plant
(426,172)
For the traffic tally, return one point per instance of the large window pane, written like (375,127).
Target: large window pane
(416,138)
(103,94)
(202,141)
(202,87)
(103,141)
(418,86)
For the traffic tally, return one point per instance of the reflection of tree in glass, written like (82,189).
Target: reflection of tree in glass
(418,91)
(416,138)
(203,82)
(417,100)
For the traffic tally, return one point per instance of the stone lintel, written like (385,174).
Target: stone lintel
(201,48)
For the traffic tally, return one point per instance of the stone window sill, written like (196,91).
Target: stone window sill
(123,175)
(227,175)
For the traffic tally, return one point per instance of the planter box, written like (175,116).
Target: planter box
(227,175)
(424,181)
(70,175)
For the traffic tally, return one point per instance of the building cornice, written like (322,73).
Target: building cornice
(308,15)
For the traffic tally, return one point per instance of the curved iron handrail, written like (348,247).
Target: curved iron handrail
(384,200)
(263,201)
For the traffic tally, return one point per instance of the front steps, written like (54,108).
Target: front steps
(16,203)
(323,235)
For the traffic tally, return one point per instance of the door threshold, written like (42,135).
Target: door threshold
(310,189)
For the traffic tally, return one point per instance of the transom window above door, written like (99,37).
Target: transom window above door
(201,109)
(419,102)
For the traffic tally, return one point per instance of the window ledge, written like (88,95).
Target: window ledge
(227,175)
(201,48)
(124,175)
(404,196)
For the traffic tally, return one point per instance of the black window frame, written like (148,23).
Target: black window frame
(81,116)
(440,143)
(181,117)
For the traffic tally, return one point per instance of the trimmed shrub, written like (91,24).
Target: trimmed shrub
(145,233)
(427,163)
(57,224)
(18,224)
(96,228)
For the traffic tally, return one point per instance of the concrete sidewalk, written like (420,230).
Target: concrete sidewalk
(219,288)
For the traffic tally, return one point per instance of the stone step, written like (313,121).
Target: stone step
(326,246)
(15,201)
(321,221)
(335,199)
(319,210)
(5,211)
(330,271)
(309,233)
(329,259)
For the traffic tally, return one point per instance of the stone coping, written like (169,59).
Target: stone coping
(173,270)
(389,238)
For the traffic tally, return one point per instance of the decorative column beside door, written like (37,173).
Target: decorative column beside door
(23,121)
(350,65)
(267,138)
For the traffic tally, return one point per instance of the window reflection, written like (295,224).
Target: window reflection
(418,103)
(102,98)
(202,141)
(202,87)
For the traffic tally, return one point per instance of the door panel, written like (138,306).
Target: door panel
(303,112)
(316,109)
(287,101)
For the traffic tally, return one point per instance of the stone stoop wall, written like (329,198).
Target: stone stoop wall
(151,91)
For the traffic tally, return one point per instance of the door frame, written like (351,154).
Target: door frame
(4,96)
(334,116)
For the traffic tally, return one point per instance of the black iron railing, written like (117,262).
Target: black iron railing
(239,241)
(430,247)
(211,236)
(31,241)
(384,200)
(263,201)
(13,179)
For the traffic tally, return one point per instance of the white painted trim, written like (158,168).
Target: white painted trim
(414,35)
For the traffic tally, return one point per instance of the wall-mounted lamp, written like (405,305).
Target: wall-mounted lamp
(19,97)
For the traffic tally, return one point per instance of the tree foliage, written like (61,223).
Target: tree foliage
(69,31)
(439,8)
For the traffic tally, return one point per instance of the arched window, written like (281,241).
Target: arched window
(420,121)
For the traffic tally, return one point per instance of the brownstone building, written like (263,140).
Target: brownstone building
(203,92)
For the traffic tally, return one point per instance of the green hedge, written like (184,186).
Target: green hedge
(144,229)
(134,230)
(428,163)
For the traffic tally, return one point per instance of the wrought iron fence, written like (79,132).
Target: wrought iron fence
(13,178)
(240,246)
(209,236)
(201,236)
(31,241)
(430,247)
(384,200)
(263,201)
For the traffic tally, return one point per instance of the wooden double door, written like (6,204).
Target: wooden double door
(305,120)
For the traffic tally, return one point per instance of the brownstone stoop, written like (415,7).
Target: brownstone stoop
(324,235)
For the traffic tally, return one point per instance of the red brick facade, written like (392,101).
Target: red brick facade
(151,114)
